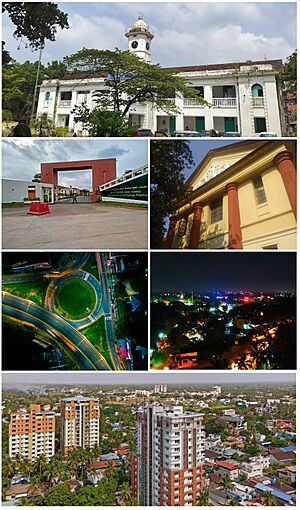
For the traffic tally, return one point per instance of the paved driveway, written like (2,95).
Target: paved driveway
(78,226)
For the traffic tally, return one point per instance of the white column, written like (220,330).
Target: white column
(208,111)
(179,116)
(245,107)
(73,104)
(272,108)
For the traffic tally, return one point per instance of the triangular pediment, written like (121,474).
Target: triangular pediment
(219,160)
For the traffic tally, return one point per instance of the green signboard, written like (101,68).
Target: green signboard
(133,189)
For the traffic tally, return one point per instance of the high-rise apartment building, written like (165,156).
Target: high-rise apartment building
(32,433)
(167,466)
(160,388)
(80,423)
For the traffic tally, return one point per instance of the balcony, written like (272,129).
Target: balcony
(64,103)
(224,101)
(257,102)
(191,102)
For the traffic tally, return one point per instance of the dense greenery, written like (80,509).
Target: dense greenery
(36,22)
(288,74)
(169,160)
(96,334)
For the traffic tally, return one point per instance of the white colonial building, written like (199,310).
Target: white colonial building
(242,96)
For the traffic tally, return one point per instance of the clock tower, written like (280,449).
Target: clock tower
(139,39)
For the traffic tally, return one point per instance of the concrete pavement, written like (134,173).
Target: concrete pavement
(78,226)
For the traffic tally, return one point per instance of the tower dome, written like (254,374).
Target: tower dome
(139,39)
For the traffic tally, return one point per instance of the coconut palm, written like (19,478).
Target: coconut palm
(268,499)
(226,482)
(126,493)
(203,499)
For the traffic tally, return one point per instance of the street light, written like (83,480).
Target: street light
(36,82)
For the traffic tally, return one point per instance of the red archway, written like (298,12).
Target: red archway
(103,170)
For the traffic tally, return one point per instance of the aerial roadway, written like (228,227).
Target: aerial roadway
(109,328)
(78,347)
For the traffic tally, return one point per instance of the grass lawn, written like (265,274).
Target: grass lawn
(97,336)
(125,204)
(75,299)
(35,291)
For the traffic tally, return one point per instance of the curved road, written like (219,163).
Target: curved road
(92,281)
(76,344)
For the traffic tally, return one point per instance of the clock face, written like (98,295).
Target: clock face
(134,44)
(147,46)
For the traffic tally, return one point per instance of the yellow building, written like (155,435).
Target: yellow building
(243,196)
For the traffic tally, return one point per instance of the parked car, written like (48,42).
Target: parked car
(144,132)
(231,134)
(185,134)
(267,134)
(209,132)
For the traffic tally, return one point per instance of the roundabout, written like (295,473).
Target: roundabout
(76,297)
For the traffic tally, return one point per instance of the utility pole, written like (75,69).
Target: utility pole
(36,83)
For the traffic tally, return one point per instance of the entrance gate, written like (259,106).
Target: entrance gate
(80,199)
(103,170)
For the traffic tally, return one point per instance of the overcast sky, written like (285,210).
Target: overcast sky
(255,377)
(185,33)
(22,157)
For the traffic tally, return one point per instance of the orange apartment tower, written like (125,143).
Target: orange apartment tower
(167,466)
(32,433)
(80,423)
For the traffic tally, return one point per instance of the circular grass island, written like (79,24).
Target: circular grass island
(75,299)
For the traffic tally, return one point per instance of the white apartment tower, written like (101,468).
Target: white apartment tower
(167,466)
(160,388)
(80,423)
(32,433)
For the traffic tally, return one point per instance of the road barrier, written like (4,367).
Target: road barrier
(38,208)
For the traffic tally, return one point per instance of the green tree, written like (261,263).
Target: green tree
(268,499)
(128,80)
(36,21)
(226,482)
(169,159)
(100,122)
(288,74)
(203,499)
(126,493)
(60,495)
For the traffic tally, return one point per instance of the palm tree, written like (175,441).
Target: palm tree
(34,483)
(8,468)
(226,482)
(40,466)
(268,499)
(126,493)
(243,477)
(203,499)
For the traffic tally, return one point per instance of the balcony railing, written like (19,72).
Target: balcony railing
(65,103)
(224,101)
(191,102)
(257,101)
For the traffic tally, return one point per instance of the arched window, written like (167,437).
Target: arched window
(47,96)
(257,90)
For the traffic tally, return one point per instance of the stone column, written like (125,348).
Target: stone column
(284,163)
(195,230)
(234,219)
(171,232)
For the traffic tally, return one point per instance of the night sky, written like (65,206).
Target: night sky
(269,271)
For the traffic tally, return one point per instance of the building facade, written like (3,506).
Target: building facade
(167,467)
(17,191)
(243,196)
(80,423)
(241,97)
(32,433)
